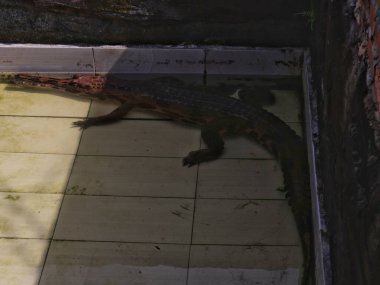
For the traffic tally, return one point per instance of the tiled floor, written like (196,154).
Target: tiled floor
(113,205)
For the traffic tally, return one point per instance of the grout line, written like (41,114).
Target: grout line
(58,154)
(173,157)
(177,243)
(132,156)
(82,117)
(122,119)
(193,220)
(175,197)
(149,243)
(150,197)
(25,238)
(42,116)
(60,207)
(93,59)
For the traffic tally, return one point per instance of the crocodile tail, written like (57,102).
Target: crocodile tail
(290,151)
(295,170)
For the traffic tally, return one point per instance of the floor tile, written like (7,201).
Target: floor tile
(264,257)
(125,219)
(16,100)
(24,215)
(244,222)
(244,265)
(140,138)
(99,263)
(232,276)
(132,176)
(38,135)
(34,173)
(92,224)
(286,107)
(240,179)
(21,260)
(243,147)
(103,108)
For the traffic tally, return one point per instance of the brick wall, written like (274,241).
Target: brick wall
(368,18)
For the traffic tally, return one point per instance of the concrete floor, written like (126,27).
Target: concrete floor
(113,204)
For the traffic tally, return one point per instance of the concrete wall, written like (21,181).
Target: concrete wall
(243,22)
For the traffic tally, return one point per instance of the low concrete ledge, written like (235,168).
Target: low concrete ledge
(46,58)
(259,61)
(151,60)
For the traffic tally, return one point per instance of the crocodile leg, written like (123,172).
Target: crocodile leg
(215,146)
(115,115)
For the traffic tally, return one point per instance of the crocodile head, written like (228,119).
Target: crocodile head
(82,85)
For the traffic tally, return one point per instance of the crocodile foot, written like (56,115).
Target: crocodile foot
(202,155)
(193,158)
(84,124)
(114,116)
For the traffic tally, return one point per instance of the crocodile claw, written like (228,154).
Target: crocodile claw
(191,159)
(81,124)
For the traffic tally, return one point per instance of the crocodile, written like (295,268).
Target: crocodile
(217,116)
